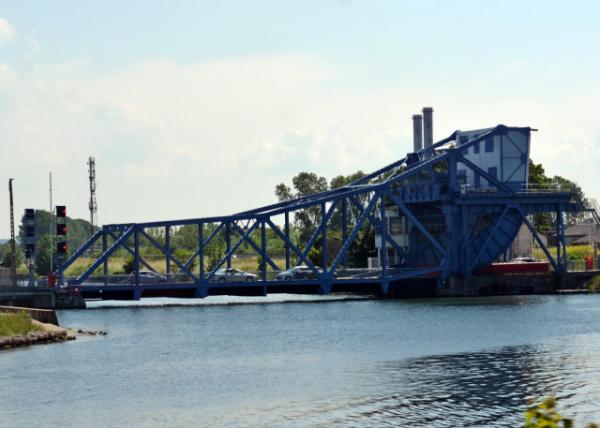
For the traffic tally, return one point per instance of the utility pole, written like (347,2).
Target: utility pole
(92,205)
(13,243)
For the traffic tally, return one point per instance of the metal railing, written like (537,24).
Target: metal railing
(546,188)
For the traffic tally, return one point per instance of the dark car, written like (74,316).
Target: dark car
(148,277)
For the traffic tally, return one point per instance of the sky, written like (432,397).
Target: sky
(199,108)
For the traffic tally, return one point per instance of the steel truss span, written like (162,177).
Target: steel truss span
(461,202)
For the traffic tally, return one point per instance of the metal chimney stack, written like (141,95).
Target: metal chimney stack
(428,126)
(417,132)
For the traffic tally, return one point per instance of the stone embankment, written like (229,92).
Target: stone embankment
(47,330)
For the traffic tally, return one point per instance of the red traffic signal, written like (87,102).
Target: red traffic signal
(61,229)
(61,247)
(61,211)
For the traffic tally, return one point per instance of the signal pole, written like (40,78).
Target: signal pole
(13,243)
(51,231)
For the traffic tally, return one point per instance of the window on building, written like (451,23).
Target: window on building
(477,180)
(476,147)
(396,226)
(493,171)
(489,145)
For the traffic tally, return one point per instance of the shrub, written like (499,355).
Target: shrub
(594,285)
(545,415)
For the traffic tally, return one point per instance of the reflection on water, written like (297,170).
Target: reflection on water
(469,389)
(444,363)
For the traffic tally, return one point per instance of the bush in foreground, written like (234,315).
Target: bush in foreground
(594,285)
(545,415)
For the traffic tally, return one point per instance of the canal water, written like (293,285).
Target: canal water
(368,363)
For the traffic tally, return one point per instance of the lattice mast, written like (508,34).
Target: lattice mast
(93,206)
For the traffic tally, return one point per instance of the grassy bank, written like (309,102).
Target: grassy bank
(17,324)
(115,264)
(574,252)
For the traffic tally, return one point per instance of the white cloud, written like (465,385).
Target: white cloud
(6,31)
(185,140)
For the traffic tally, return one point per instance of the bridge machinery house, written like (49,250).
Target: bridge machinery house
(502,155)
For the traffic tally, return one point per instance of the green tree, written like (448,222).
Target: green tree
(539,180)
(305,184)
(6,255)
(42,255)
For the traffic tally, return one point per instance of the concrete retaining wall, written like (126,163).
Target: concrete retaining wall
(41,315)
(496,285)
(43,298)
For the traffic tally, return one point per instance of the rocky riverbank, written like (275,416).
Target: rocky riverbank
(48,333)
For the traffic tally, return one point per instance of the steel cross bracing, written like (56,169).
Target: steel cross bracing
(452,232)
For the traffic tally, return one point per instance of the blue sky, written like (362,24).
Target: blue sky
(196,108)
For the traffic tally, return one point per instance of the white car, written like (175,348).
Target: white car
(148,277)
(233,275)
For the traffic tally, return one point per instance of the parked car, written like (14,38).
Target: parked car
(524,260)
(233,275)
(148,277)
(298,272)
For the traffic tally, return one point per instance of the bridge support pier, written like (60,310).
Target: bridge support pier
(325,287)
(201,292)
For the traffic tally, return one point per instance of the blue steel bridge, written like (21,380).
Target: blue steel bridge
(455,205)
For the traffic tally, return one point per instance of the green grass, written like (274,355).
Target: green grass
(16,324)
(574,252)
(115,264)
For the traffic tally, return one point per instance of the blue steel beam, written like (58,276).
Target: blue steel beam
(319,230)
(301,259)
(256,248)
(203,244)
(200,251)
(384,234)
(489,237)
(354,233)
(287,238)
(539,240)
(105,255)
(232,250)
(80,251)
(416,223)
(132,252)
(375,223)
(324,235)
(163,250)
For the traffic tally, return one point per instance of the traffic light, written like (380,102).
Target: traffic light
(61,247)
(29,214)
(61,211)
(29,230)
(61,232)
(61,229)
